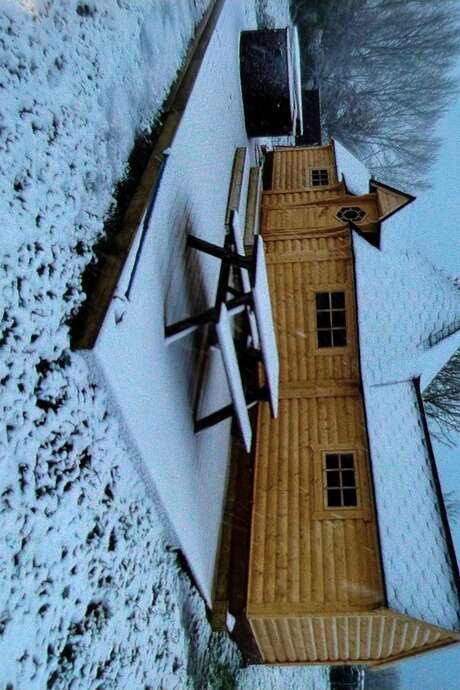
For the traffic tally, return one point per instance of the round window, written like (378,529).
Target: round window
(349,214)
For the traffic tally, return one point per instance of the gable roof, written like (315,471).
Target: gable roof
(389,198)
(358,181)
(401,298)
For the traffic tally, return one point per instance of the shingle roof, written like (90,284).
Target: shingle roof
(401,300)
(418,572)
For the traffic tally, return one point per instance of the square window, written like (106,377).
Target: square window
(346,460)
(324,339)
(338,300)
(322,300)
(323,319)
(334,498)
(333,478)
(338,319)
(349,498)
(340,338)
(348,478)
(332,461)
(319,177)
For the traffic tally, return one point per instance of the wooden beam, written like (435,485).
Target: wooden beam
(301,257)
(322,389)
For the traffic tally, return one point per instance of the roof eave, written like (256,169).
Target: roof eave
(409,197)
(438,489)
(366,425)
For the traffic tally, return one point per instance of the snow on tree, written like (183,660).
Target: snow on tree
(383,70)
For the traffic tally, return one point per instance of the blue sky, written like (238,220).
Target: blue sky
(433,227)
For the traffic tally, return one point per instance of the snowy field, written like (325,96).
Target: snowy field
(152,383)
(91,595)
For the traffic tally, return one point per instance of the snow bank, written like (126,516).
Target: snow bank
(77,83)
(153,384)
(90,595)
(276,678)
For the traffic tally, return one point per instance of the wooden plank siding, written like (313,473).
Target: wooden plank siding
(388,201)
(312,569)
(291,166)
(296,557)
(319,214)
(374,638)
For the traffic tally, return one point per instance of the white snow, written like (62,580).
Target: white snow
(153,385)
(69,98)
(418,574)
(350,169)
(227,347)
(265,325)
(283,678)
(295,47)
(91,595)
(402,299)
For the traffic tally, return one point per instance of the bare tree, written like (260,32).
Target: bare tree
(442,402)
(452,505)
(382,67)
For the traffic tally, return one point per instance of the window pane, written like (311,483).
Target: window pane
(323,319)
(348,478)
(324,339)
(332,462)
(338,300)
(340,338)
(349,497)
(338,318)
(322,300)
(334,498)
(319,177)
(333,478)
(346,461)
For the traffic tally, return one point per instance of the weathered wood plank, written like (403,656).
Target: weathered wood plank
(252,221)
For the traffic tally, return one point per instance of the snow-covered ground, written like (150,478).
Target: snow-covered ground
(91,596)
(152,383)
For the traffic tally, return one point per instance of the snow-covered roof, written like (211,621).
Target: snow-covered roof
(401,300)
(419,578)
(350,169)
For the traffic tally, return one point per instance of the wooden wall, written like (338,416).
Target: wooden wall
(291,166)
(297,555)
(374,639)
(305,558)
(320,213)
